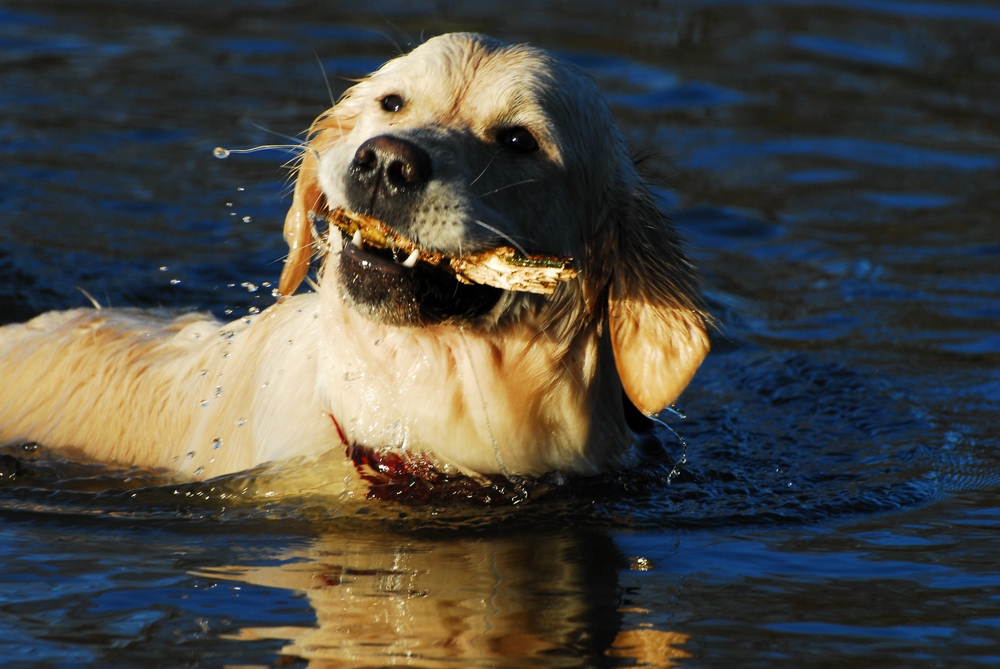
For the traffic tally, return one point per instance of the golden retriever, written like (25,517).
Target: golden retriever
(464,144)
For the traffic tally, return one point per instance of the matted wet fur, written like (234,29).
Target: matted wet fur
(462,145)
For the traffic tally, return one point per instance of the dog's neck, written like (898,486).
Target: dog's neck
(509,399)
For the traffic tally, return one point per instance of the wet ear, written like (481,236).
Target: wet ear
(308,196)
(656,319)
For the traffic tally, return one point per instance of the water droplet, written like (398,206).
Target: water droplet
(265,384)
(190,455)
(216,442)
(275,293)
(220,153)
(266,284)
(240,189)
(254,310)
(164,268)
(247,219)
(378,341)
(174,282)
(225,355)
(199,471)
(218,390)
(229,204)
(251,287)
(240,422)
(204,403)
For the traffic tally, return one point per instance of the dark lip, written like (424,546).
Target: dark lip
(372,259)
(384,290)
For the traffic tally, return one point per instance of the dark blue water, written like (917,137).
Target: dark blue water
(835,168)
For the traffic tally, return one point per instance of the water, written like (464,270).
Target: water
(834,166)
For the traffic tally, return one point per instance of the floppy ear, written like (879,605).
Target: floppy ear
(656,319)
(308,197)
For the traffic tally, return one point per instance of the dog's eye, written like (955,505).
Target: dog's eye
(392,103)
(518,139)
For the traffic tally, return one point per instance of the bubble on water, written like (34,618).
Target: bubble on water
(640,563)
(221,153)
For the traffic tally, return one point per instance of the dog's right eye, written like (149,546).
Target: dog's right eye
(392,103)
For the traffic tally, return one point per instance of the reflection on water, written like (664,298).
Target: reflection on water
(529,600)
(834,167)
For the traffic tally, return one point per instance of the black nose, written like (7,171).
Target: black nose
(389,166)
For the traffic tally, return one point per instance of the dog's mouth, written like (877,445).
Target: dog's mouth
(389,278)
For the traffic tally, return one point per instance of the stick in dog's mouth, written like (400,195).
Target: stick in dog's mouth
(502,267)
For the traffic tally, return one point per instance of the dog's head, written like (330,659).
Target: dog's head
(466,144)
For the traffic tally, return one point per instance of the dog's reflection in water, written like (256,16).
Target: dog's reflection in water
(523,600)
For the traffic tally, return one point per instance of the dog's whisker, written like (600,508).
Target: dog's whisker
(492,158)
(516,183)
(290,138)
(326,79)
(503,235)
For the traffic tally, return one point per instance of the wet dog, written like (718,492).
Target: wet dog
(463,145)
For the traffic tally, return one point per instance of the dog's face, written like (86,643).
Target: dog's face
(466,144)
(462,145)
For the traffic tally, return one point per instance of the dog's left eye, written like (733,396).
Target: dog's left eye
(392,103)
(518,139)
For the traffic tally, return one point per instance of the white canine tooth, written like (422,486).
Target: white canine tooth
(356,239)
(411,260)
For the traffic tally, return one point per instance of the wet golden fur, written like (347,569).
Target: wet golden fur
(533,386)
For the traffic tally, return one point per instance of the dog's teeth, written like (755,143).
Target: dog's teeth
(411,260)
(356,239)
